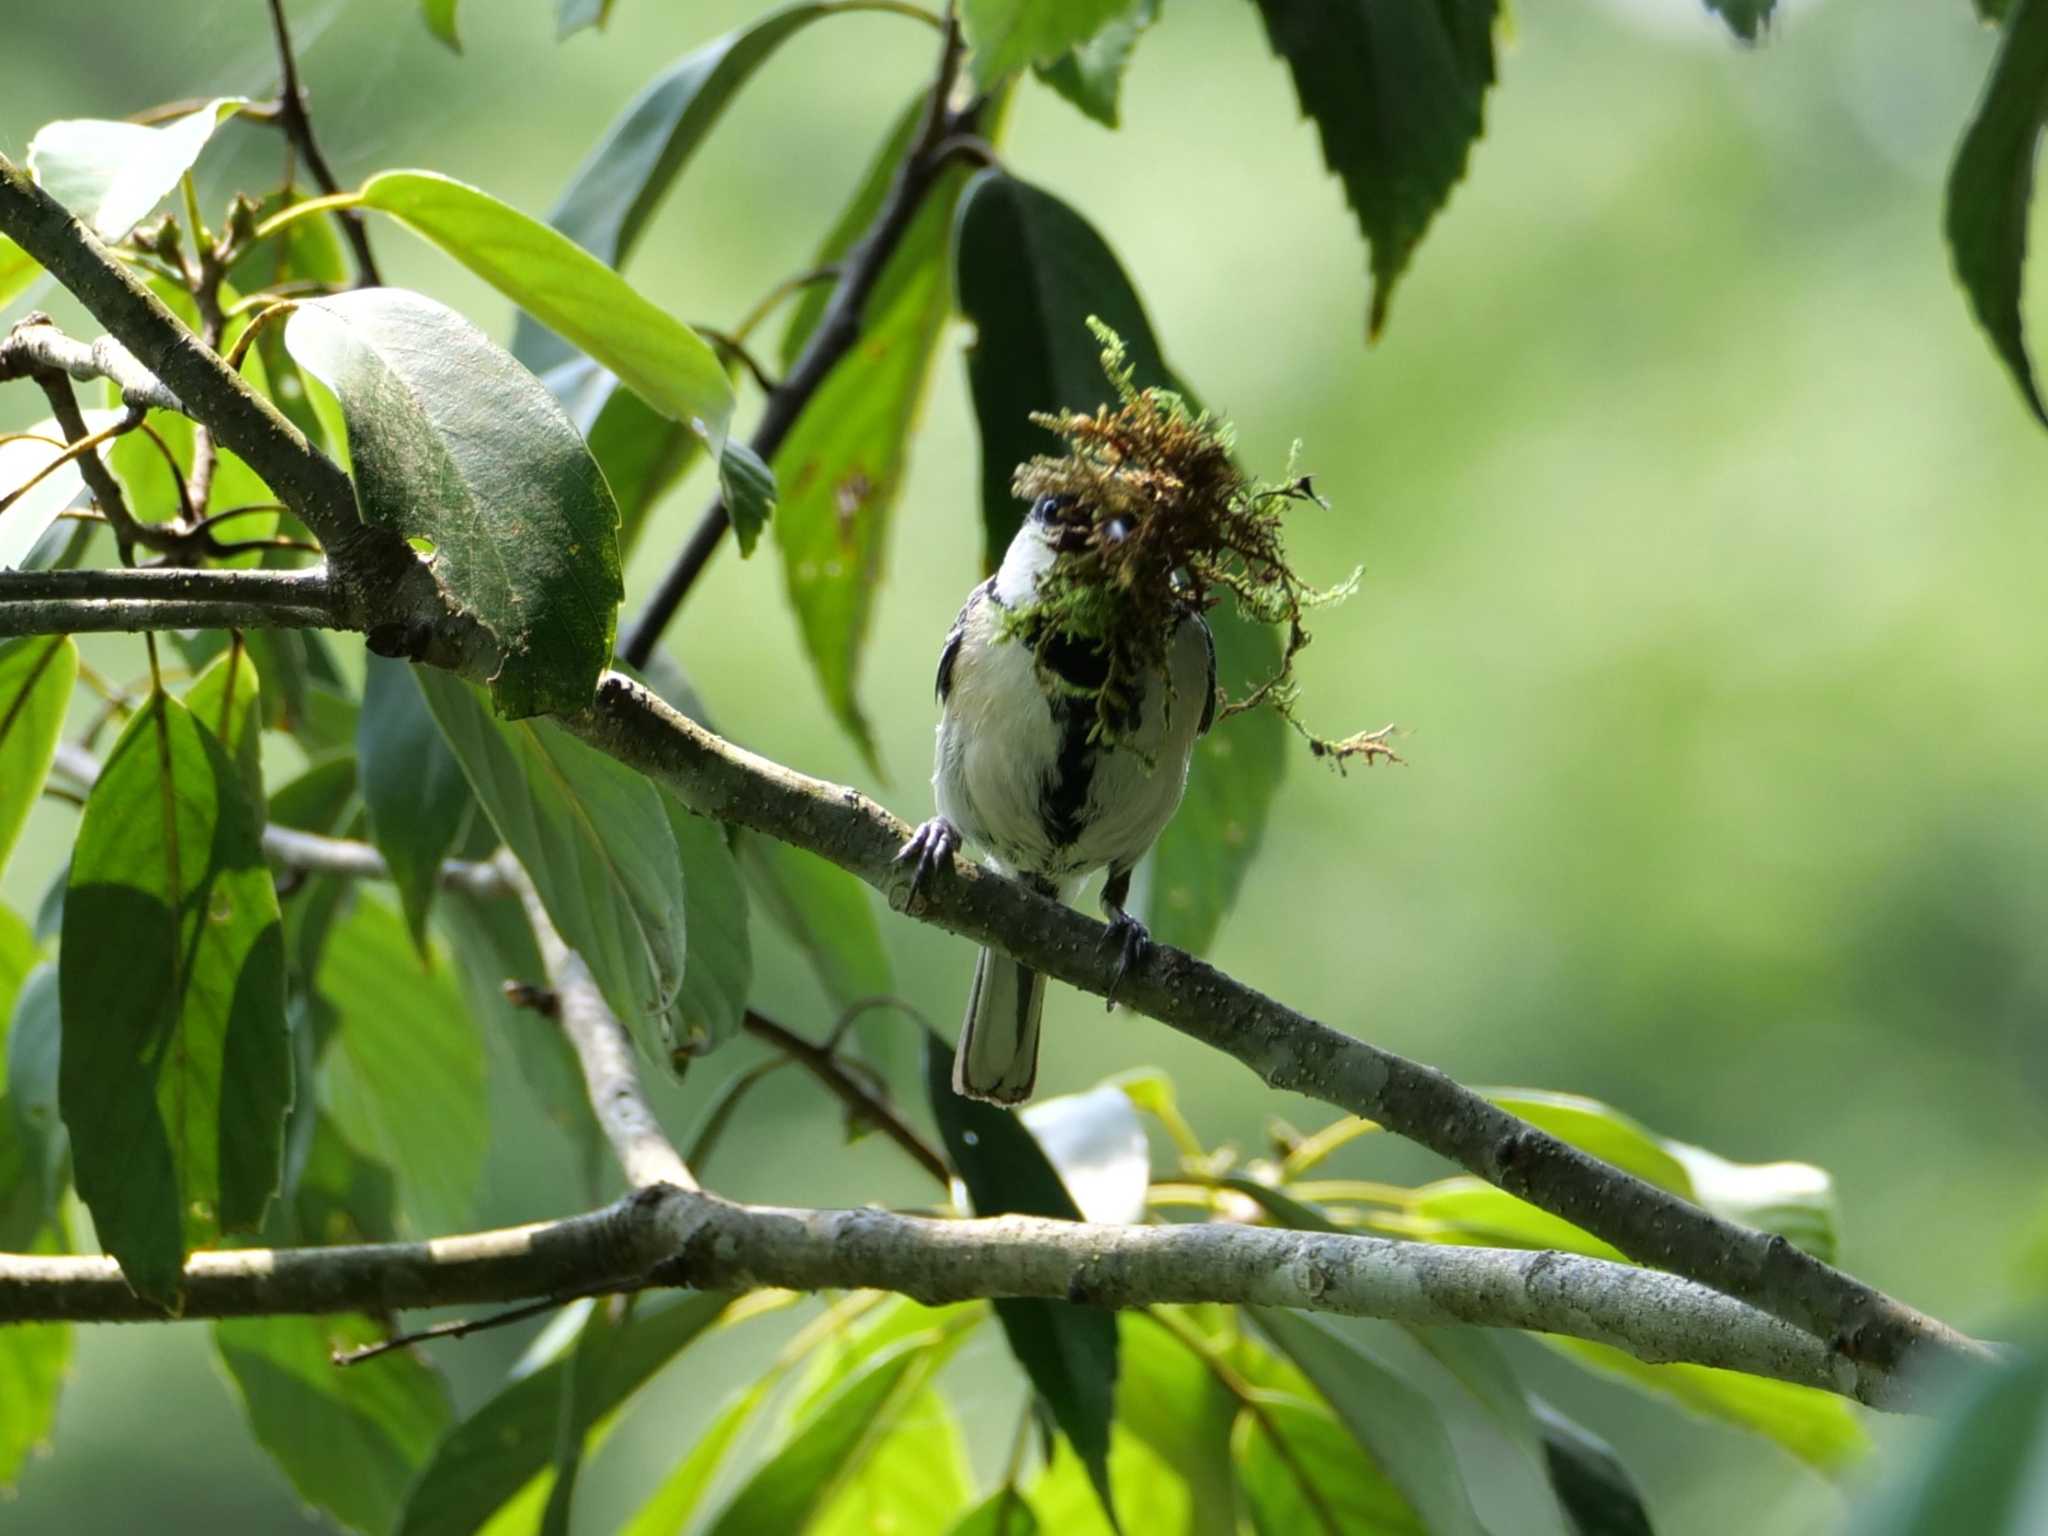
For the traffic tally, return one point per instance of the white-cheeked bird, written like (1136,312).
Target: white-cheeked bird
(1022,774)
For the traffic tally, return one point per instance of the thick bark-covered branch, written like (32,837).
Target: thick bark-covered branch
(35,344)
(674,1236)
(85,601)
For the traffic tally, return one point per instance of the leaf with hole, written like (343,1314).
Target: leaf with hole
(111,174)
(1398,96)
(453,442)
(351,1440)
(176,1066)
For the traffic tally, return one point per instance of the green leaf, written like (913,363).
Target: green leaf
(351,1440)
(1096,1144)
(439,16)
(826,912)
(1002,1513)
(1395,1425)
(1302,1475)
(418,800)
(1004,36)
(1171,1401)
(29,1114)
(1598,1495)
(1069,1352)
(340,1195)
(111,175)
(1746,18)
(37,673)
(1600,1129)
(748,488)
(1398,94)
(1991,185)
(1794,1200)
(719,968)
(669,1509)
(568,290)
(641,452)
(176,1065)
(34,1360)
(843,463)
(828,1445)
(595,838)
(403,1077)
(1091,74)
(30,515)
(490,1456)
(1150,1499)
(1466,1210)
(18,271)
(622,180)
(572,16)
(453,442)
(225,699)
(1818,1427)
(916,1478)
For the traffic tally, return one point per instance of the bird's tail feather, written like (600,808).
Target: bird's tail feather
(997,1058)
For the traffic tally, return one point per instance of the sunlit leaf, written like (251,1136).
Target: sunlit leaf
(1167,1397)
(1302,1475)
(1097,1146)
(1091,74)
(1004,36)
(112,174)
(225,698)
(1069,1352)
(418,800)
(1398,94)
(29,516)
(18,271)
(490,1456)
(439,16)
(594,836)
(351,1440)
(916,1478)
(1600,1129)
(670,1508)
(403,1077)
(1002,1513)
(37,673)
(1150,1499)
(1795,1200)
(524,532)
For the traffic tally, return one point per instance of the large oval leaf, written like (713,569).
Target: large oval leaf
(176,1065)
(418,800)
(36,677)
(453,442)
(112,174)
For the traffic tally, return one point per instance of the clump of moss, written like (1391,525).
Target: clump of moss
(1158,521)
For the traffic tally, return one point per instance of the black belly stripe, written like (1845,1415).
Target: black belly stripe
(1065,796)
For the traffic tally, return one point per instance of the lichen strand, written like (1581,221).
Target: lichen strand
(1163,522)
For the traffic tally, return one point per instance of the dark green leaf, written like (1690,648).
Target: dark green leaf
(453,442)
(1746,18)
(1069,1352)
(568,290)
(843,463)
(1598,1495)
(351,1440)
(617,187)
(491,1455)
(719,968)
(340,1196)
(319,799)
(1002,1513)
(403,1077)
(1004,36)
(440,18)
(34,1360)
(750,493)
(1398,94)
(595,838)
(1302,1475)
(1091,74)
(29,1200)
(225,699)
(572,16)
(176,1065)
(1030,271)
(112,174)
(828,1445)
(418,800)
(36,677)
(1992,183)
(1393,1424)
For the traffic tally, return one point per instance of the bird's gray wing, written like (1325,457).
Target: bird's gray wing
(950,652)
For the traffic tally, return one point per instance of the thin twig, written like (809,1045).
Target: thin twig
(461,1329)
(297,123)
(864,1105)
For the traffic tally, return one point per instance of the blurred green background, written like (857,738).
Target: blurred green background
(1702,571)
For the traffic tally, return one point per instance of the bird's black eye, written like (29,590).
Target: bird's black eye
(1048,508)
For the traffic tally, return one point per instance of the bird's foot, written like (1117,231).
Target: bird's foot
(1134,944)
(930,849)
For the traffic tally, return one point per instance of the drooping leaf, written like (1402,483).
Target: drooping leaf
(112,174)
(1091,74)
(1393,1425)
(453,442)
(34,1360)
(1398,95)
(1746,18)
(37,673)
(749,491)
(622,180)
(403,1077)
(490,1456)
(176,1065)
(832,1442)
(719,968)
(1818,1427)
(351,1440)
(1303,1475)
(595,838)
(1004,36)
(225,699)
(568,290)
(418,800)
(18,271)
(31,1128)
(439,16)
(29,516)
(1991,186)
(825,911)
(572,16)
(1069,1352)
(1598,1495)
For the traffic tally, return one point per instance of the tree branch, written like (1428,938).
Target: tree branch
(823,1064)
(87,601)
(317,855)
(297,123)
(35,344)
(837,331)
(680,1237)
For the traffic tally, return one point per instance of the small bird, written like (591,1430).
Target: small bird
(1025,772)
